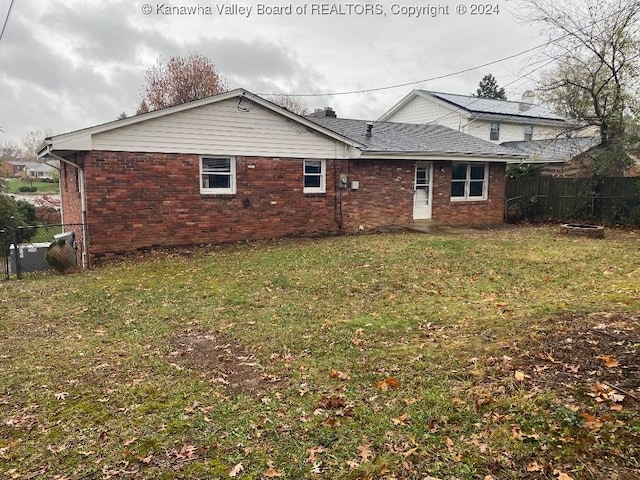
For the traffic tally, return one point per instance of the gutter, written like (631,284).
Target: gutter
(44,152)
(481,157)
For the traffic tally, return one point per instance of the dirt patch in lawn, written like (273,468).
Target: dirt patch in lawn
(592,357)
(223,361)
(591,364)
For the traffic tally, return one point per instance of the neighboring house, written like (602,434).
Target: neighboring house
(39,170)
(520,125)
(16,167)
(236,167)
(30,169)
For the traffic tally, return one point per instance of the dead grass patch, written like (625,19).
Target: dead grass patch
(223,361)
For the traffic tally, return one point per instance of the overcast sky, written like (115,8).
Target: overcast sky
(69,64)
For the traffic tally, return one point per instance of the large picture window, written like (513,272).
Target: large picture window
(469,181)
(218,175)
(314,176)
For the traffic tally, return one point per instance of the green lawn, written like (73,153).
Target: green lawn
(13,185)
(505,354)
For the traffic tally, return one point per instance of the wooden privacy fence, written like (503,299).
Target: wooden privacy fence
(614,200)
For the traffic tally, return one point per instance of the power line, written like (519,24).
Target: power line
(439,77)
(6,20)
(389,87)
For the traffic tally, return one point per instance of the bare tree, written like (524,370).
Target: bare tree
(293,104)
(30,143)
(594,47)
(178,81)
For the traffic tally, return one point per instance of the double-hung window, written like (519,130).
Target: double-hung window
(469,181)
(494,134)
(315,174)
(528,133)
(218,175)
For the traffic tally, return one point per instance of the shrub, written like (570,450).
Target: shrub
(61,256)
(33,189)
(24,213)
(24,188)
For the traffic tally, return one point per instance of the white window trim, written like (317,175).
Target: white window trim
(323,177)
(467,183)
(219,191)
(528,132)
(497,130)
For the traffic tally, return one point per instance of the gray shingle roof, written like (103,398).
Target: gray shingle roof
(554,150)
(411,138)
(497,107)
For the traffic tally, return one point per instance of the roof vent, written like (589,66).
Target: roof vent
(369,129)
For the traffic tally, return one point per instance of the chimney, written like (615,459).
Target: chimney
(528,97)
(323,112)
(369,129)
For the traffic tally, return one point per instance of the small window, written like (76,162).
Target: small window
(469,181)
(495,131)
(528,133)
(314,176)
(218,175)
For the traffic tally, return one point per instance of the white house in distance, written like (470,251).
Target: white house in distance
(519,125)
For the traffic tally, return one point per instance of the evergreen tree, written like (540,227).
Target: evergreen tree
(488,88)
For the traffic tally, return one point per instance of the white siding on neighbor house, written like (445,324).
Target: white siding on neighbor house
(422,110)
(509,132)
(222,129)
(546,133)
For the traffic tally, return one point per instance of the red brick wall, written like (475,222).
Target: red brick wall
(486,212)
(142,200)
(71,201)
(385,194)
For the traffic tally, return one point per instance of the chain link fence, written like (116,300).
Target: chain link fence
(41,247)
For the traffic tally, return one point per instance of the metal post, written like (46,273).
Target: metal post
(14,226)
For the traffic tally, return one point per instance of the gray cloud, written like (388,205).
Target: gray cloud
(67,64)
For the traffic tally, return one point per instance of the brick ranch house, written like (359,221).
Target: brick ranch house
(237,167)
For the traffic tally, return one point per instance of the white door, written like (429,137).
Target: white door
(422,191)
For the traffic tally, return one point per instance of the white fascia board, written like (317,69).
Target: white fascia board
(81,140)
(520,119)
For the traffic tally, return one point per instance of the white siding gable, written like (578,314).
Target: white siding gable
(422,110)
(222,128)
(511,132)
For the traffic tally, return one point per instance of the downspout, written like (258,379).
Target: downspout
(83,202)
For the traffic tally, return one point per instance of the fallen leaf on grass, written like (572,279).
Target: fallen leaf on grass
(332,403)
(271,472)
(239,468)
(365,452)
(562,475)
(534,467)
(387,383)
(339,375)
(312,453)
(401,420)
(186,451)
(61,395)
(608,360)
(591,422)
(520,375)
